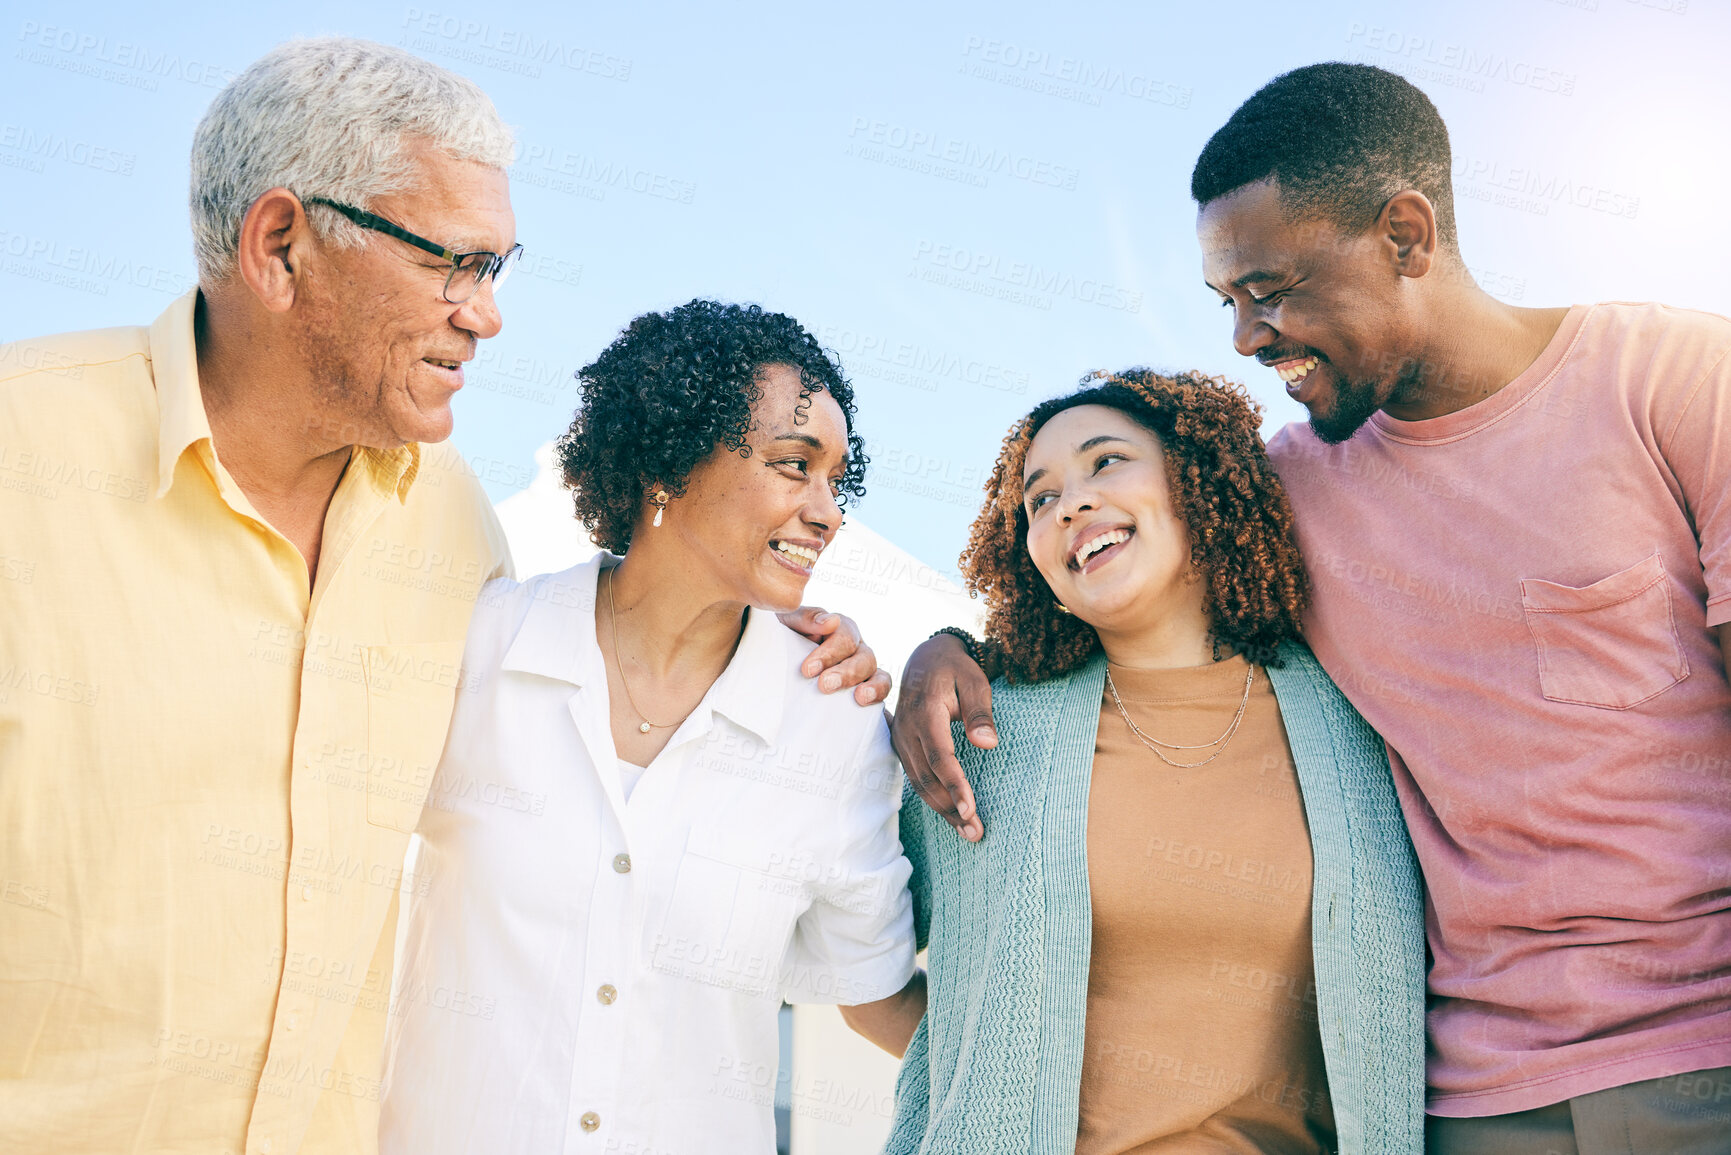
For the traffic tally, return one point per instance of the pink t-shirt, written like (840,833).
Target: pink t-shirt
(1519,597)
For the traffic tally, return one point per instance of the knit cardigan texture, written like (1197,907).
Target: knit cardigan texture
(996,1064)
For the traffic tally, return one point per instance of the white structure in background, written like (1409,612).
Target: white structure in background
(842,1087)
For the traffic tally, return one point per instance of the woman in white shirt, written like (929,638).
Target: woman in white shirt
(647,829)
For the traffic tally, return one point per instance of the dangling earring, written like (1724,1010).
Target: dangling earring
(660,500)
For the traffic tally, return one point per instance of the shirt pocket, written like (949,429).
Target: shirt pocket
(411,691)
(730,918)
(1612,644)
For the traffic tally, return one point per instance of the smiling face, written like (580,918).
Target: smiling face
(1328,310)
(1102,529)
(384,346)
(755,525)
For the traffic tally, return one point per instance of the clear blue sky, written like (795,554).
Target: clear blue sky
(973,204)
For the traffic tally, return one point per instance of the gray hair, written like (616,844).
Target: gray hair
(328,117)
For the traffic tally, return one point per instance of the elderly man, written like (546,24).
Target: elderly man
(238,588)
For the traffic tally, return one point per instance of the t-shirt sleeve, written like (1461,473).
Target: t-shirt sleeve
(855,943)
(1698,450)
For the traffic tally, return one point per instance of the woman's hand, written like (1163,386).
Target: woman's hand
(943,685)
(842,657)
(891,1022)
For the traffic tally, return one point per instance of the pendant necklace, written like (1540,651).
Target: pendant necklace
(613,619)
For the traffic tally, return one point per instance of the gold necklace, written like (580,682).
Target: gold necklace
(613,619)
(1154,744)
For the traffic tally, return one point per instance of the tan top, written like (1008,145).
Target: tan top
(1202,1030)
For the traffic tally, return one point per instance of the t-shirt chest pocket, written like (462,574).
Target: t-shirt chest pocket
(730,917)
(1612,644)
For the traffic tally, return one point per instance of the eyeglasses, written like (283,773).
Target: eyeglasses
(468,270)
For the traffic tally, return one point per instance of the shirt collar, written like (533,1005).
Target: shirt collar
(174,366)
(557,636)
(752,691)
(557,640)
(392,471)
(183,424)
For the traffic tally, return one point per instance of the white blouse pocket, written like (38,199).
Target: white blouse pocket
(730,919)
(1612,644)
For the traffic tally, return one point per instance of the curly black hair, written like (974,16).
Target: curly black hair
(1240,523)
(1340,139)
(673,388)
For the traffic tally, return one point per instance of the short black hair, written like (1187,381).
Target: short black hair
(1340,140)
(670,390)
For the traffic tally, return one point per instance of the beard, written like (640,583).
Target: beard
(1354,403)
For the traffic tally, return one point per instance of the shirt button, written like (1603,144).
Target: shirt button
(607,994)
(264,1146)
(622,864)
(306,894)
(589,1121)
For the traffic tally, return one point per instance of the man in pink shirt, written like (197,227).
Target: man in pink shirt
(1517,525)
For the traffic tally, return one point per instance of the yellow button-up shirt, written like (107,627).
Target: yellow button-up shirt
(208,770)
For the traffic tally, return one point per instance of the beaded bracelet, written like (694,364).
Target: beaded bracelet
(969,642)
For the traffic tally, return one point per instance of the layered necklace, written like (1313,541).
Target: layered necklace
(1156,744)
(613,619)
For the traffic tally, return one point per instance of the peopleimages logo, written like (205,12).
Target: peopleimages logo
(891,140)
(48,260)
(917,366)
(1065,77)
(1020,282)
(86,52)
(1462,64)
(49,145)
(513,45)
(1543,187)
(585,174)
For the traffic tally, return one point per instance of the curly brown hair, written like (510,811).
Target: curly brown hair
(1223,488)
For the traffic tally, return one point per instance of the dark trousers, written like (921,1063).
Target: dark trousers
(1677,1115)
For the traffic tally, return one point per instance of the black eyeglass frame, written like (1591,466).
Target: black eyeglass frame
(497,266)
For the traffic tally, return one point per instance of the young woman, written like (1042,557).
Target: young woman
(647,829)
(1196,924)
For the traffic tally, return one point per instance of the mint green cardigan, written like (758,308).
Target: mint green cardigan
(996,1064)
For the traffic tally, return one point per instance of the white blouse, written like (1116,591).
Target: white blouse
(587,972)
